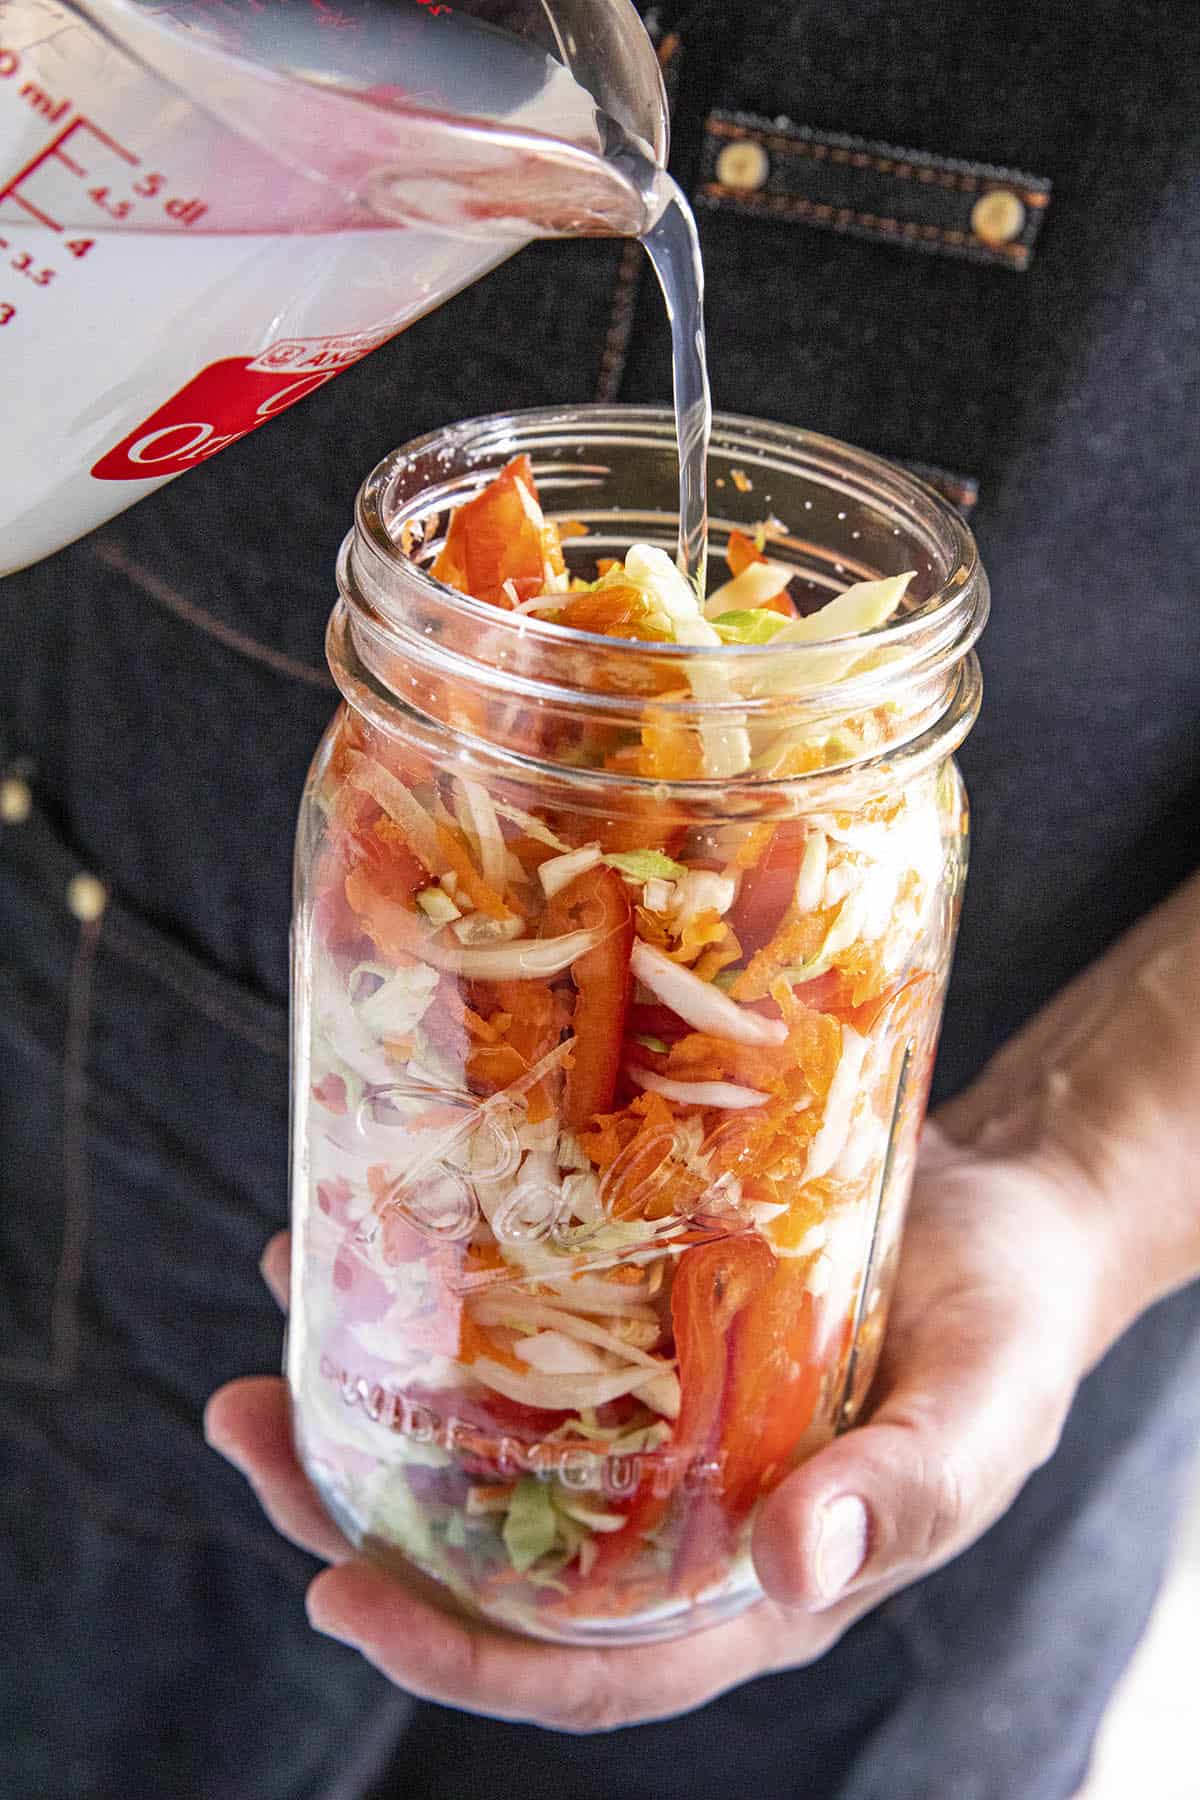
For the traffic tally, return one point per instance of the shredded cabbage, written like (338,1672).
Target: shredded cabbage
(758,626)
(646,865)
(757,583)
(530,1526)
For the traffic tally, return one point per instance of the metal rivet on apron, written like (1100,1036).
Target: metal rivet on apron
(744,165)
(16,801)
(998,216)
(87,898)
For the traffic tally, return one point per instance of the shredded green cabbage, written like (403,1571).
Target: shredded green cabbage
(531,1524)
(758,625)
(646,865)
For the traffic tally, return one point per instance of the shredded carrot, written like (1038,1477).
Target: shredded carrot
(741,552)
(474,1342)
(472,883)
(489,1031)
(795,943)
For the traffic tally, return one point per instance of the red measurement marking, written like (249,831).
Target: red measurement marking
(54,150)
(222,403)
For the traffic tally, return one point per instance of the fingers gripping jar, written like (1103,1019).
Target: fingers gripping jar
(618,974)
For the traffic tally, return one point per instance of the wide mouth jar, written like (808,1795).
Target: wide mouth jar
(618,973)
(563,702)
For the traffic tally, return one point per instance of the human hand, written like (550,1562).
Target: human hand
(1006,1295)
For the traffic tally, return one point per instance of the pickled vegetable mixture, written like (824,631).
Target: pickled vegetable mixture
(599,1118)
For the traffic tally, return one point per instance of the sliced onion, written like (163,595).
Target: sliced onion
(527,959)
(479,928)
(500,1311)
(592,1294)
(560,871)
(830,1140)
(699,891)
(757,583)
(658,894)
(560,1393)
(700,1004)
(418,826)
(531,826)
(810,877)
(664,1394)
(727,1094)
(554,1353)
(487,829)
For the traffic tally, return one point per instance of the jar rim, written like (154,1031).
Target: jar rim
(491,437)
(401,627)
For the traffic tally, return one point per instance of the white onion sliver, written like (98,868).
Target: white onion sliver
(757,583)
(500,1311)
(664,1394)
(531,826)
(700,890)
(554,1353)
(526,960)
(700,1004)
(560,871)
(592,1294)
(487,830)
(728,1094)
(418,825)
(830,1140)
(559,1393)
(810,878)
(481,928)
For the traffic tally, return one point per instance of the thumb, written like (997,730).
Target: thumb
(967,1415)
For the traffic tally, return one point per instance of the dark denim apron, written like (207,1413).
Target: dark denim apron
(160,693)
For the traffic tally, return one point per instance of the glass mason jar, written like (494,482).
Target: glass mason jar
(618,974)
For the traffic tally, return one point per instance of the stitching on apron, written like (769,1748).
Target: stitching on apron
(623,305)
(876,198)
(113,557)
(172,974)
(843,218)
(60,1370)
(963,181)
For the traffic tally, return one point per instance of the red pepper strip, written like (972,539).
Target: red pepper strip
(713,1282)
(595,900)
(492,539)
(774,1385)
(768,889)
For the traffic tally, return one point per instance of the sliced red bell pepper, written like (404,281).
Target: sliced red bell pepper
(768,889)
(595,900)
(773,1389)
(496,538)
(713,1283)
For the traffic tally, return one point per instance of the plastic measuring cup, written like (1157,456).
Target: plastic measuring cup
(207,209)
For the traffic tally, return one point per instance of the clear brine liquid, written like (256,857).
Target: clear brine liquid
(673,246)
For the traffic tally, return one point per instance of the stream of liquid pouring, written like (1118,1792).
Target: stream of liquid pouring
(673,247)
